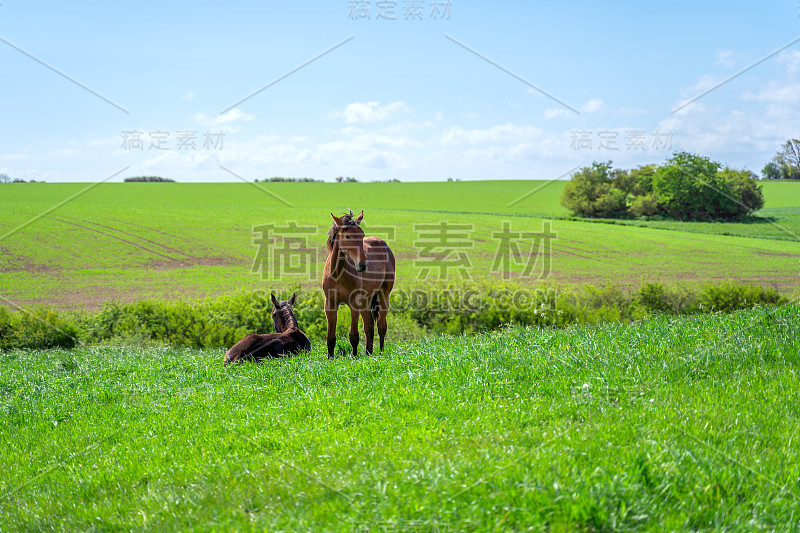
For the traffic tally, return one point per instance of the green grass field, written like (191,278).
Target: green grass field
(669,424)
(132,241)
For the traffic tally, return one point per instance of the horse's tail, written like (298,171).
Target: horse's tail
(375,307)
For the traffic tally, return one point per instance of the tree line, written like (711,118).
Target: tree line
(686,187)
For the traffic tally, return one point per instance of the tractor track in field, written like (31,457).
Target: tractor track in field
(194,242)
(126,241)
(167,248)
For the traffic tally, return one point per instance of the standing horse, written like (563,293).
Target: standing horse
(359,272)
(288,339)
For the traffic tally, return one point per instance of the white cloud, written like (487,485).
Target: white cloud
(108,141)
(705,83)
(232,116)
(726,58)
(791,59)
(687,107)
(15,157)
(64,152)
(404,127)
(778,93)
(593,106)
(188,95)
(631,111)
(557,112)
(505,133)
(366,112)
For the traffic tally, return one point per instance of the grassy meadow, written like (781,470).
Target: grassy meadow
(654,420)
(169,240)
(686,423)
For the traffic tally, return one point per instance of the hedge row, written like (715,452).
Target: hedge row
(416,311)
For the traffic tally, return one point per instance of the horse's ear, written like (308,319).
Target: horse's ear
(359,217)
(291,300)
(274,300)
(336,219)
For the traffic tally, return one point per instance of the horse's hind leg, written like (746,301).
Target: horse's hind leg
(369,328)
(383,310)
(354,331)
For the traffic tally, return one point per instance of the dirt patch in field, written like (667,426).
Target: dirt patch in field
(24,264)
(775,254)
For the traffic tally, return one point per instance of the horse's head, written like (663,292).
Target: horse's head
(282,313)
(347,233)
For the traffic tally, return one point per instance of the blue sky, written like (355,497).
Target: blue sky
(398,100)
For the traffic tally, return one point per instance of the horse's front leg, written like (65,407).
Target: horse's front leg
(330,316)
(369,328)
(354,331)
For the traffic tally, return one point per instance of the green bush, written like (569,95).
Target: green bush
(654,298)
(729,297)
(39,328)
(635,182)
(645,205)
(745,190)
(590,193)
(686,187)
(6,328)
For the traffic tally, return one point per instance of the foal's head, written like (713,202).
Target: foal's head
(283,314)
(346,232)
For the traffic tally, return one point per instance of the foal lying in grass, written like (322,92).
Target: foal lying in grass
(287,341)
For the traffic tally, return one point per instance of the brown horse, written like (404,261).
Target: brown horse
(288,339)
(359,272)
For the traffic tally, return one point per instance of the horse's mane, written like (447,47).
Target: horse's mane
(287,317)
(347,220)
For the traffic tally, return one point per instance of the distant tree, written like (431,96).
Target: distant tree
(5,178)
(746,193)
(278,179)
(789,158)
(590,193)
(645,205)
(350,180)
(339,179)
(148,179)
(688,188)
(642,179)
(771,171)
(786,163)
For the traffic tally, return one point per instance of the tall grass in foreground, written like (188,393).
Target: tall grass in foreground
(670,423)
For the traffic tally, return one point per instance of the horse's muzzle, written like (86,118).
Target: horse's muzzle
(361,266)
